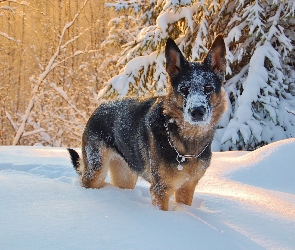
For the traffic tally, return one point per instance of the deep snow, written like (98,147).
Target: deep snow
(246,200)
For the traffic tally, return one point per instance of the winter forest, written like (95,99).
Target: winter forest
(60,59)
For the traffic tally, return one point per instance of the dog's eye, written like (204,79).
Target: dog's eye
(184,90)
(208,89)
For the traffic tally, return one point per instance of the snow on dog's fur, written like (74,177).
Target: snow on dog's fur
(167,139)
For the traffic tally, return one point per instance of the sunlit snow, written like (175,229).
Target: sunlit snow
(246,200)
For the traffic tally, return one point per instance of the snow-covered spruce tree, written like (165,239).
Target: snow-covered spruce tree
(260,61)
(131,18)
(259,88)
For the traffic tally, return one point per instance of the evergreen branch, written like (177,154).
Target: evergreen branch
(290,111)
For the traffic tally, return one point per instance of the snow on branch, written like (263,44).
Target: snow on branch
(75,54)
(9,37)
(12,1)
(173,16)
(290,111)
(255,14)
(131,71)
(37,131)
(278,31)
(52,63)
(7,8)
(259,53)
(123,5)
(8,116)
(290,8)
(244,120)
(198,46)
(70,24)
(64,95)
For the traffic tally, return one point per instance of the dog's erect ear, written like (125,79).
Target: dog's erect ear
(215,58)
(175,61)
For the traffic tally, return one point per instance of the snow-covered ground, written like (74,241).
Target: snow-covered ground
(244,201)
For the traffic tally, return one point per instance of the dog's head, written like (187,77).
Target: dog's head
(196,85)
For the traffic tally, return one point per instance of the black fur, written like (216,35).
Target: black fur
(165,139)
(123,126)
(74,158)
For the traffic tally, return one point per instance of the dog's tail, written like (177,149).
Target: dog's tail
(75,158)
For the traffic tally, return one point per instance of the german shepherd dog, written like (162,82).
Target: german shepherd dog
(166,139)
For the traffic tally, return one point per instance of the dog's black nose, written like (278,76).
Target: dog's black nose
(197,113)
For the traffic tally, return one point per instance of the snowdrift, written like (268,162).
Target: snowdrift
(246,200)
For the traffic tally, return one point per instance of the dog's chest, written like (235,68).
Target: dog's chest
(188,170)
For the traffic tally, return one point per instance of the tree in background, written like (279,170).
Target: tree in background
(259,37)
(49,56)
(52,65)
(123,30)
(9,50)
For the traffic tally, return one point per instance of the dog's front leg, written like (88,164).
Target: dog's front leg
(160,195)
(185,193)
(160,190)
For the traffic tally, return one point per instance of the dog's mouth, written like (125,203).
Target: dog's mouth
(197,110)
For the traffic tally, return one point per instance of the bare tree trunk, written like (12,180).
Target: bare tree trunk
(51,65)
(19,99)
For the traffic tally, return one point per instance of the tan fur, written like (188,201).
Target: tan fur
(122,175)
(97,181)
(201,135)
(97,178)
(185,193)
(169,181)
(183,182)
(174,66)
(180,182)
(173,107)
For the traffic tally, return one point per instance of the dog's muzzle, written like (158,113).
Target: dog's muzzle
(197,110)
(197,113)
